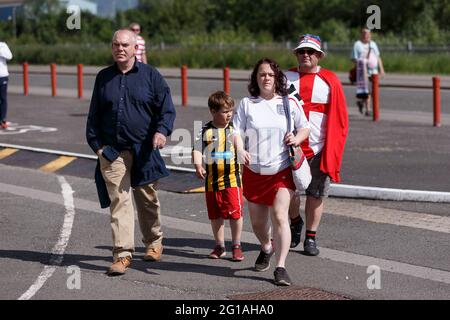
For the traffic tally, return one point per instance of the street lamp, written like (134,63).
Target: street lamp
(12,18)
(14,21)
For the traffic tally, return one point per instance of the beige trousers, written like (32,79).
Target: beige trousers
(117,175)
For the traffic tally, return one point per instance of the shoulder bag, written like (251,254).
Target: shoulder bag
(301,173)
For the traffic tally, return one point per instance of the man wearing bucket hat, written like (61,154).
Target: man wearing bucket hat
(320,93)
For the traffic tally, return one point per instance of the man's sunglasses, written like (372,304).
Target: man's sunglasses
(310,52)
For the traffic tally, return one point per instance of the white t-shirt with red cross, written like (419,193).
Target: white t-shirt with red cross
(315,94)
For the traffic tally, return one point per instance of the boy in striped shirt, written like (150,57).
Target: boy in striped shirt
(223,191)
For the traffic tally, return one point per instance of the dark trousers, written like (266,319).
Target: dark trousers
(3,100)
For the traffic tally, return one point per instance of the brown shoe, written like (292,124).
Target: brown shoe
(153,253)
(120,266)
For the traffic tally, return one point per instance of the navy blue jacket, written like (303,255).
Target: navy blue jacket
(126,111)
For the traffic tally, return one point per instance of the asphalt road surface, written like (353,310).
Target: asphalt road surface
(395,152)
(397,99)
(56,242)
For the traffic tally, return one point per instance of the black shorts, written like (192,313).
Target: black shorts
(320,183)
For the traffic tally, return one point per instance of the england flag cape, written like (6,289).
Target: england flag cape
(337,123)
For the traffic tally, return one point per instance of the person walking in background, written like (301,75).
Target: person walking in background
(141,53)
(222,175)
(130,116)
(366,57)
(5,54)
(261,121)
(320,93)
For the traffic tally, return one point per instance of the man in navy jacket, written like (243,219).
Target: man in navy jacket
(130,116)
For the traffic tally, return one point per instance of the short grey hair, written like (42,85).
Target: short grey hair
(133,36)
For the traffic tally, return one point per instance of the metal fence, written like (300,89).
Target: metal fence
(409,47)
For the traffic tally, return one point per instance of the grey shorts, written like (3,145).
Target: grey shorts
(320,183)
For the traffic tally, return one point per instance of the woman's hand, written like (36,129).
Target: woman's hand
(291,140)
(295,140)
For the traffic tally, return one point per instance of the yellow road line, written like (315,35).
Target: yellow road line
(57,164)
(196,190)
(7,152)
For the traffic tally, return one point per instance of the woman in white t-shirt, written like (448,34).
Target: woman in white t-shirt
(366,57)
(261,122)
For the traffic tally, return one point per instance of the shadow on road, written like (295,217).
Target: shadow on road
(184,248)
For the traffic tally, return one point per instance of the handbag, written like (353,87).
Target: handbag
(352,72)
(352,75)
(301,173)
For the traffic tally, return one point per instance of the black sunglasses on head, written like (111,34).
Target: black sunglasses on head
(310,52)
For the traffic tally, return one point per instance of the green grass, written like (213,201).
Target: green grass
(235,58)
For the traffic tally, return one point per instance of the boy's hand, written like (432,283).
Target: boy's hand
(200,172)
(244,157)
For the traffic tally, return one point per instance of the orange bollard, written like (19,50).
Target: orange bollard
(184,87)
(80,80)
(375,101)
(436,101)
(25,78)
(226,80)
(53,78)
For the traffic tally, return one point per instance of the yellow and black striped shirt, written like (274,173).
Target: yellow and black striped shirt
(221,164)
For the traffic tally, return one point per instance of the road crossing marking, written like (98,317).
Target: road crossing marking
(196,190)
(7,152)
(57,164)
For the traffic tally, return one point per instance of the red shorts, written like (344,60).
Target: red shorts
(262,189)
(225,204)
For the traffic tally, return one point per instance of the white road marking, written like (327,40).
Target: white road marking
(15,128)
(59,248)
(178,152)
(336,190)
(205,229)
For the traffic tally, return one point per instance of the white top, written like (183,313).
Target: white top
(141,48)
(360,51)
(262,124)
(5,54)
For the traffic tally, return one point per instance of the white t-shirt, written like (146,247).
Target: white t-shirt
(5,54)
(262,124)
(360,51)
